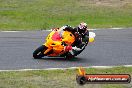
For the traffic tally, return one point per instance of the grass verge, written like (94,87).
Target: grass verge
(57,78)
(45,14)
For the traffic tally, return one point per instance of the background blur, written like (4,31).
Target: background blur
(45,14)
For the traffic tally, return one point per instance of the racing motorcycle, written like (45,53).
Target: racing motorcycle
(56,42)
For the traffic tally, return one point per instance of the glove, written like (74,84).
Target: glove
(68,48)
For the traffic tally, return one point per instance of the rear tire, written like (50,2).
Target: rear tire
(39,52)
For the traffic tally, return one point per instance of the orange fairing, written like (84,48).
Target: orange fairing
(54,41)
(68,37)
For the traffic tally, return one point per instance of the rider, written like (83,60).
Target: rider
(81,38)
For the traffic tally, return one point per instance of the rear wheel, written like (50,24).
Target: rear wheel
(39,52)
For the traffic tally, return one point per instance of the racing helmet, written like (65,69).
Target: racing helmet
(82,27)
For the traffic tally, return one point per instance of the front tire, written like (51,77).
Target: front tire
(39,52)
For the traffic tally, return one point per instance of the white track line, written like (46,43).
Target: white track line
(51,30)
(25,31)
(11,31)
(99,67)
(116,28)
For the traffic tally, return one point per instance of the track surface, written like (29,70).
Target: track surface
(112,47)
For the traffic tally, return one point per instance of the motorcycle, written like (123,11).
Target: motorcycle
(55,44)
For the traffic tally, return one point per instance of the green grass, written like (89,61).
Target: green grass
(57,78)
(45,14)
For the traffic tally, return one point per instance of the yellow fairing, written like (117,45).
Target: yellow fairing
(57,46)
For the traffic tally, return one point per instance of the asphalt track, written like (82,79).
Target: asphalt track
(112,47)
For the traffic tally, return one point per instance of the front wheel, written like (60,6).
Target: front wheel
(39,52)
